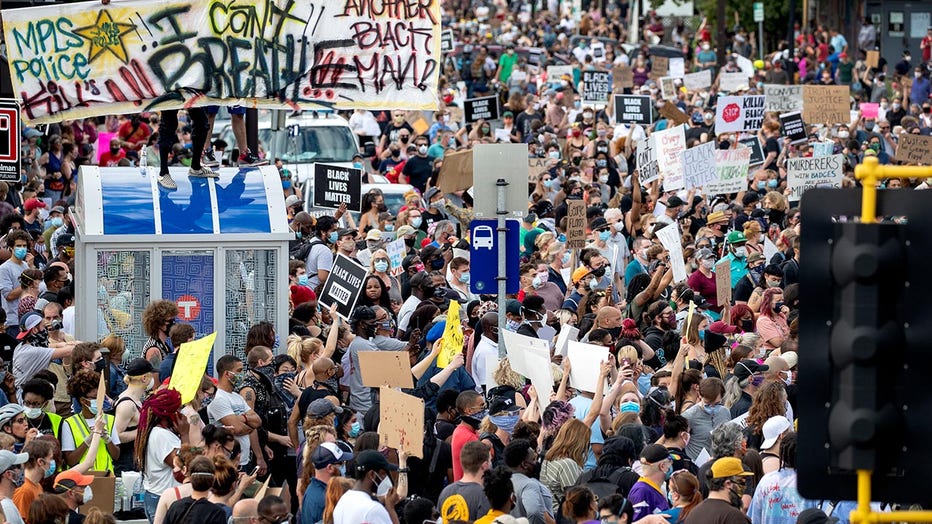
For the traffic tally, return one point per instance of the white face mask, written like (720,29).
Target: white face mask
(151,384)
(384,486)
(741,252)
(708,263)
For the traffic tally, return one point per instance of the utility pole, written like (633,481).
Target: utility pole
(720,40)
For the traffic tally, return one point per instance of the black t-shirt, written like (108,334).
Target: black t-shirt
(523,121)
(430,217)
(201,511)
(771,146)
(389,130)
(310,395)
(743,289)
(717,512)
(418,169)
(428,475)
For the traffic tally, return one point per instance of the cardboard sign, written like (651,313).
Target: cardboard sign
(575,224)
(670,238)
(191,364)
(699,165)
(596,87)
(731,171)
(873,59)
(698,81)
(401,422)
(914,149)
(385,368)
(723,282)
(782,99)
(826,104)
(792,127)
(735,114)
(660,66)
(485,108)
(446,41)
(622,77)
(757,151)
(556,73)
(536,167)
(456,171)
(586,362)
(671,143)
(646,161)
(804,173)
(343,286)
(633,109)
(732,82)
(672,112)
(336,185)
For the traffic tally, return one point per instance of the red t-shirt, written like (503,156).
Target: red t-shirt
(703,285)
(462,435)
(137,138)
(927,48)
(108,159)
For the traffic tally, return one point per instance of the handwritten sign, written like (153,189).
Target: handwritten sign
(804,173)
(780,98)
(732,82)
(575,224)
(731,171)
(596,87)
(622,77)
(826,104)
(699,165)
(190,366)
(820,149)
(668,88)
(873,59)
(396,250)
(670,238)
(672,112)
(385,368)
(633,109)
(401,421)
(792,127)
(698,81)
(671,143)
(735,114)
(535,168)
(914,149)
(723,282)
(452,343)
(82,60)
(646,160)
(660,66)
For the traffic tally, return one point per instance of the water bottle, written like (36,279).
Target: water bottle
(143,163)
(118,495)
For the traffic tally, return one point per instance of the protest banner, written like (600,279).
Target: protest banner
(672,112)
(669,236)
(820,149)
(646,161)
(698,81)
(671,143)
(731,82)
(343,286)
(757,151)
(699,165)
(575,224)
(792,127)
(914,149)
(385,368)
(676,67)
(567,333)
(80,60)
(452,342)
(556,73)
(731,171)
(622,77)
(535,167)
(484,108)
(587,364)
(190,366)
(826,104)
(446,41)
(633,109)
(660,66)
(401,422)
(734,114)
(456,171)
(781,99)
(873,59)
(335,185)
(668,88)
(744,64)
(723,282)
(596,88)
(803,173)
(396,250)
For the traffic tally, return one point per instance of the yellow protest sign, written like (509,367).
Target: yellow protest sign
(190,366)
(101,395)
(452,343)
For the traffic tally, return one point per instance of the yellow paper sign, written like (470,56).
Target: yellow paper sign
(452,343)
(101,395)
(190,366)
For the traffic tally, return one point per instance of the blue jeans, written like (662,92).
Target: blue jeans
(151,504)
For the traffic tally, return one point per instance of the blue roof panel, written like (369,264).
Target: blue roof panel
(187,210)
(242,202)
(127,203)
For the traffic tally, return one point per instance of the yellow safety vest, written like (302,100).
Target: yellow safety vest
(80,432)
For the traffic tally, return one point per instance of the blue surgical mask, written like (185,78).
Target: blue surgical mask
(303,280)
(381,266)
(93,407)
(630,406)
(505,423)
(51,469)
(548,183)
(604,235)
(761,185)
(357,165)
(277,342)
(464,278)
(416,222)
(333,237)
(298,234)
(342,467)
(701,334)
(562,237)
(355,430)
(566,257)
(54,222)
(389,227)
(286,184)
(772,182)
(19,252)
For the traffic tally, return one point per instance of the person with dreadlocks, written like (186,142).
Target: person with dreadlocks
(161,432)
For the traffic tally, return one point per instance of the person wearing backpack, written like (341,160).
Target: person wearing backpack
(613,473)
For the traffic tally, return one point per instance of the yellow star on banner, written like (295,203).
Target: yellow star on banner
(106,35)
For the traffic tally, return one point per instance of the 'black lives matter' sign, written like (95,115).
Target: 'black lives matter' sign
(485,108)
(343,286)
(597,87)
(336,185)
(633,109)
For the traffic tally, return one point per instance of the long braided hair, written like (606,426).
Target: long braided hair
(161,408)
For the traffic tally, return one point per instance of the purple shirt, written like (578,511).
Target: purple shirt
(646,499)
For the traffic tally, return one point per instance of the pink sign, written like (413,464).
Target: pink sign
(103,143)
(869,110)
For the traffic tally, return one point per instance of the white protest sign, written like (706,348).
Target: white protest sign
(698,81)
(731,82)
(555,73)
(731,171)
(670,238)
(586,360)
(670,145)
(491,365)
(676,67)
(804,173)
(699,165)
(735,114)
(646,161)
(769,250)
(783,99)
(539,373)
(567,333)
(747,67)
(820,149)
(396,253)
(530,357)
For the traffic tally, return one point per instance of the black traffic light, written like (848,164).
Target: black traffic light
(865,335)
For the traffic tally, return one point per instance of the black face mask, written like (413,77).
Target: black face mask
(747,325)
(99,365)
(428,291)
(615,332)
(410,242)
(404,139)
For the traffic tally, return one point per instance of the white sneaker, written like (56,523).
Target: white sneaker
(167,182)
(209,159)
(203,172)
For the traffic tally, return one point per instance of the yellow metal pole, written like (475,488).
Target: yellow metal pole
(870,172)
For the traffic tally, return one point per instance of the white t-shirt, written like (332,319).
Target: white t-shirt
(67,439)
(10,512)
(158,475)
(355,507)
(225,404)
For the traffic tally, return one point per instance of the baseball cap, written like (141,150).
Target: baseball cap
(346,232)
(513,306)
(65,240)
(139,366)
(502,404)
(33,203)
(704,253)
(9,412)
(374,234)
(405,230)
(746,368)
(372,460)
(292,200)
(815,516)
(70,479)
(323,407)
(57,209)
(29,321)
(675,201)
(736,237)
(328,453)
(8,459)
(728,467)
(773,428)
(791,358)
(508,114)
(654,453)
(579,273)
(754,257)
(431,193)
(723,328)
